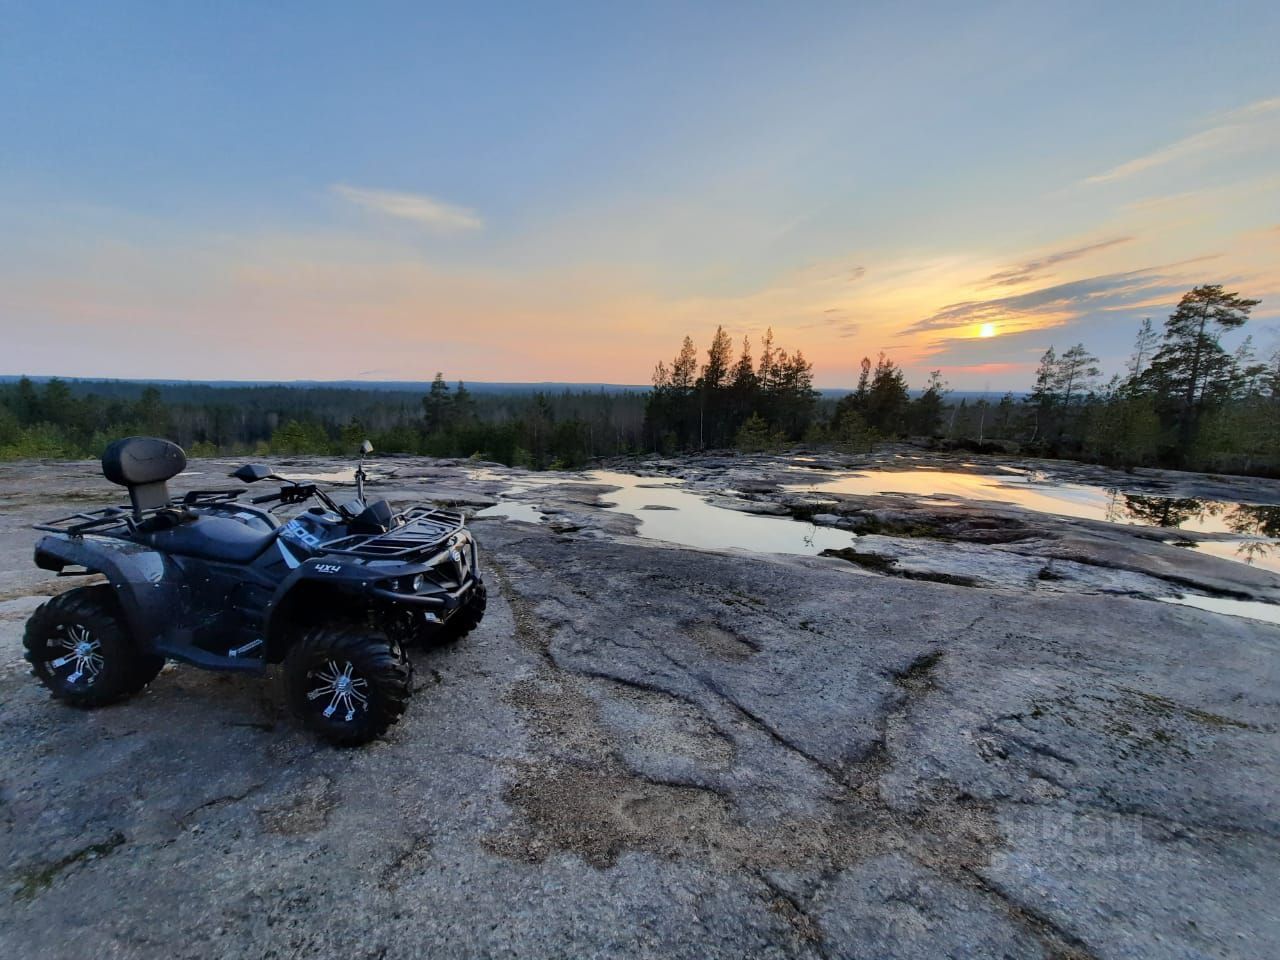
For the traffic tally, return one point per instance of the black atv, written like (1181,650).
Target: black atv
(336,593)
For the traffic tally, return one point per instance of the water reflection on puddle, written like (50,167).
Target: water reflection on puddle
(1255,528)
(690,520)
(1254,610)
(513,510)
(668,511)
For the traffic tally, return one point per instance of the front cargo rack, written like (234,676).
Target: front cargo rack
(420,529)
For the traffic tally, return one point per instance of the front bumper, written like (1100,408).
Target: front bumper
(438,600)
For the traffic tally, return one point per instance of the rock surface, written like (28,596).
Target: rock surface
(650,750)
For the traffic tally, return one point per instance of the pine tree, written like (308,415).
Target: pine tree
(713,401)
(850,432)
(755,436)
(744,375)
(925,413)
(1191,370)
(764,372)
(887,398)
(1044,396)
(27,403)
(864,384)
(684,369)
(1144,348)
(1004,413)
(719,356)
(1075,374)
(435,405)
(152,417)
(743,387)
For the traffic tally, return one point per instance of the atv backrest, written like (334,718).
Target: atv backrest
(143,464)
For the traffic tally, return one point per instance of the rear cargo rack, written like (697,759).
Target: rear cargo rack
(421,529)
(118,518)
(105,520)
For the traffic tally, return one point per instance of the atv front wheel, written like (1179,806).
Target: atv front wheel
(80,648)
(348,683)
(468,616)
(407,627)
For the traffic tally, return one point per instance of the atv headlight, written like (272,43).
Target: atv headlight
(413,584)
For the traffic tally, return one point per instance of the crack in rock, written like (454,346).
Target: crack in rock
(416,853)
(34,881)
(219,801)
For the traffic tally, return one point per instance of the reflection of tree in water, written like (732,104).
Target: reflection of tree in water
(1244,519)
(1252,551)
(1163,511)
(1258,521)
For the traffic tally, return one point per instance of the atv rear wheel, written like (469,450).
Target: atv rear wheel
(348,683)
(468,616)
(79,647)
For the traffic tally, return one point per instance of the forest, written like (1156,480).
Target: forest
(1184,400)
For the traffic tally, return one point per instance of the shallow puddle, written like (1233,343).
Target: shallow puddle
(512,510)
(688,519)
(667,510)
(1252,609)
(1256,527)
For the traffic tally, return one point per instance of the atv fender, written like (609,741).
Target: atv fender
(327,588)
(147,598)
(319,590)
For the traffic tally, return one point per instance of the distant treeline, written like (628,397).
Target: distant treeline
(1183,401)
(58,419)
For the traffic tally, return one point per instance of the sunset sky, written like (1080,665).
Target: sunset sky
(554,191)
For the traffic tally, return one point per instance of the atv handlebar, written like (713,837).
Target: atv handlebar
(293,493)
(300,493)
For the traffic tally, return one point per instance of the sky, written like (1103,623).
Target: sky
(527,192)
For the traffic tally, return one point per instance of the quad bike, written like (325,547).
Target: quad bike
(335,594)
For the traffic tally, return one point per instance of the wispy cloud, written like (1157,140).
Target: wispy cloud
(1256,109)
(1033,269)
(834,320)
(1186,147)
(1057,303)
(1227,128)
(416,207)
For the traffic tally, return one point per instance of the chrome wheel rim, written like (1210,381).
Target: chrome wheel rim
(346,692)
(82,657)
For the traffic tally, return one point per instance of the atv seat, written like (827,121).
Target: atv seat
(211,538)
(143,464)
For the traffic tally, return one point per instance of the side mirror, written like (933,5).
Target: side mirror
(366,448)
(252,472)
